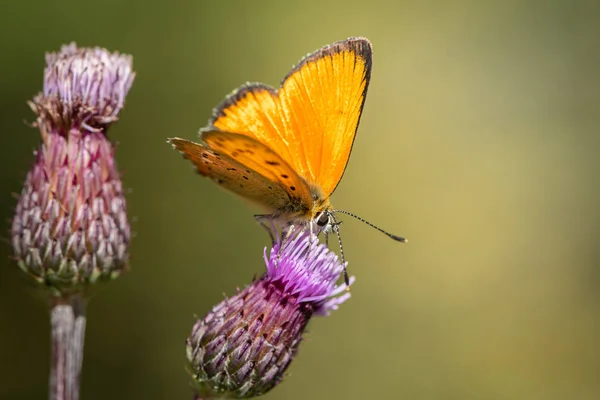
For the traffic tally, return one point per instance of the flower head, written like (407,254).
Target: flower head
(70,227)
(83,88)
(242,347)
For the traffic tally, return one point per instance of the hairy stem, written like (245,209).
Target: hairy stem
(67,318)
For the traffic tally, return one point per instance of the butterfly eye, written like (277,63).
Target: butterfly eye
(322,219)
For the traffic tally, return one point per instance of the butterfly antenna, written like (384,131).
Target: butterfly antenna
(337,232)
(397,238)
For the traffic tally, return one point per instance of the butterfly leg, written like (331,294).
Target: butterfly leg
(262,220)
(286,234)
(267,222)
(310,231)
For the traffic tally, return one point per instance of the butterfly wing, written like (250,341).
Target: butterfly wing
(259,158)
(235,162)
(311,121)
(254,111)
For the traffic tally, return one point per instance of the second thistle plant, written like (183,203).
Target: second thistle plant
(70,228)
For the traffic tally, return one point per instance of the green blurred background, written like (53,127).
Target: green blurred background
(479,142)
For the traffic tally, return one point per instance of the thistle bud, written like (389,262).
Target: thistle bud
(242,348)
(70,228)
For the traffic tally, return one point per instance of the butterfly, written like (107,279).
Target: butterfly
(286,149)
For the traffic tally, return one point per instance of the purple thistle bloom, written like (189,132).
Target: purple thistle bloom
(70,227)
(242,348)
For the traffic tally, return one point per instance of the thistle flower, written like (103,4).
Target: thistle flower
(70,227)
(242,348)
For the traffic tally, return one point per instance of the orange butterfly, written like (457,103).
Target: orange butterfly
(286,150)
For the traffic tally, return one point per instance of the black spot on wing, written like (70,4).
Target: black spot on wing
(242,151)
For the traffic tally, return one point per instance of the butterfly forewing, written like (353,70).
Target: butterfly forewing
(323,98)
(261,159)
(253,110)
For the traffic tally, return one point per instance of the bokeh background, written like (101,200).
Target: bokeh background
(479,142)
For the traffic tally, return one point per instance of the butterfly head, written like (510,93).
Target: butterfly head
(325,221)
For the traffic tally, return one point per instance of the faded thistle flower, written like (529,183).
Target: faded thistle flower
(242,347)
(70,227)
